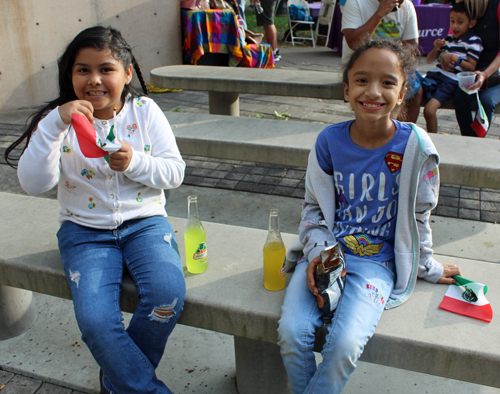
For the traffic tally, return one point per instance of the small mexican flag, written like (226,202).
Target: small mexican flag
(467,298)
(90,144)
(481,123)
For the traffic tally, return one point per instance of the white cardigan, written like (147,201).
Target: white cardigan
(90,193)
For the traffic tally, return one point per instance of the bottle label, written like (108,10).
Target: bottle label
(283,267)
(201,252)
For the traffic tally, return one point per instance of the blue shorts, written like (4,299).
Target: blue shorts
(413,85)
(440,87)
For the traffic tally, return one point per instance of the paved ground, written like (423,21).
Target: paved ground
(461,202)
(11,383)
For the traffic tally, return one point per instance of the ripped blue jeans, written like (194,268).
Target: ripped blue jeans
(94,261)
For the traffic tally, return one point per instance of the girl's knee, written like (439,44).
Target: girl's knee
(348,348)
(290,332)
(164,288)
(164,313)
(165,300)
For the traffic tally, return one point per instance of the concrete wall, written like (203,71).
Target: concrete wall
(35,33)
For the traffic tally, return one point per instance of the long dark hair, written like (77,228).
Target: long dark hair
(97,37)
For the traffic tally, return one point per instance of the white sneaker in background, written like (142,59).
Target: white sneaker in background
(276,55)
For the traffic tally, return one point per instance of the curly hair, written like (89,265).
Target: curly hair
(404,53)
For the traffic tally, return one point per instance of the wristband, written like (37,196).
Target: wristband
(459,62)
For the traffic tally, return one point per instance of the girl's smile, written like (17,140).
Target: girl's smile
(371,106)
(99,78)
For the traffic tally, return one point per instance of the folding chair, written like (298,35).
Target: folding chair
(325,18)
(295,23)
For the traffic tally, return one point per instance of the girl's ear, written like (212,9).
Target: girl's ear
(346,91)
(402,94)
(128,74)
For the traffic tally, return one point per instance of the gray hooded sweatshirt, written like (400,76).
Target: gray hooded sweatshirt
(418,196)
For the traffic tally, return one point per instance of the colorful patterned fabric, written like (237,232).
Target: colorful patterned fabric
(216,31)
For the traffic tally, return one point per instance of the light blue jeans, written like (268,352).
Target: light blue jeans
(94,262)
(367,288)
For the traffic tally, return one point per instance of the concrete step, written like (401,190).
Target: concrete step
(464,161)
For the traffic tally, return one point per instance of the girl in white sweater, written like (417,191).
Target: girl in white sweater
(112,213)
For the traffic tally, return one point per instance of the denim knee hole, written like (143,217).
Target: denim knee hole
(163,313)
(74,277)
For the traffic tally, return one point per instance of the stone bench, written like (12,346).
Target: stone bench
(230,298)
(225,84)
(464,161)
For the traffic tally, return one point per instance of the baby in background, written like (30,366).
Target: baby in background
(459,52)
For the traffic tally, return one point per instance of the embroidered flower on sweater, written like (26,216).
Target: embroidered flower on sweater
(140,102)
(131,129)
(138,198)
(66,150)
(89,174)
(91,203)
(69,186)
(147,148)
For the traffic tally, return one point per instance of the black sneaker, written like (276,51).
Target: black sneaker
(104,390)
(276,55)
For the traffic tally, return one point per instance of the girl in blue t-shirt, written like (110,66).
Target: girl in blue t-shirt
(371,184)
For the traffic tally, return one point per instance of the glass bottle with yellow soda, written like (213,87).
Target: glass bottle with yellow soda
(195,240)
(274,255)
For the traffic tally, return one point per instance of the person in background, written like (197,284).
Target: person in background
(241,11)
(266,19)
(390,19)
(487,13)
(464,47)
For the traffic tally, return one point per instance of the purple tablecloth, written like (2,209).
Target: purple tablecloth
(433,22)
(335,41)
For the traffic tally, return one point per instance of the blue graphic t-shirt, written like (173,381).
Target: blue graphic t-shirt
(366,189)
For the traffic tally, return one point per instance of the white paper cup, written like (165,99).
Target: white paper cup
(466,79)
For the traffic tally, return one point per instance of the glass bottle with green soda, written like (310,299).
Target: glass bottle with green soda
(195,240)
